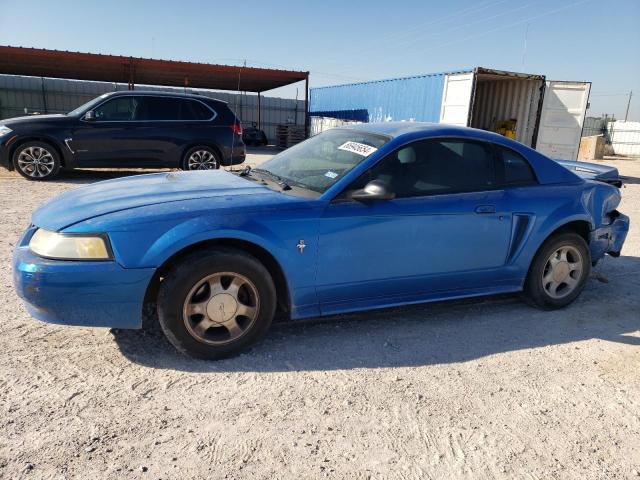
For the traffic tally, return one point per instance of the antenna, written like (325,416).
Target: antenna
(235,109)
(524,46)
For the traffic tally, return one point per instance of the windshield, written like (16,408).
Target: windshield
(87,106)
(319,162)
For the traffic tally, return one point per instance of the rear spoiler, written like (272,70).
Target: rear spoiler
(593,171)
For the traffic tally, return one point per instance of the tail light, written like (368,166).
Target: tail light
(237,128)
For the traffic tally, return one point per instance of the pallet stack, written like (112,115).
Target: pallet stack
(288,135)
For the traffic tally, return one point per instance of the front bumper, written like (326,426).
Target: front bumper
(609,238)
(92,294)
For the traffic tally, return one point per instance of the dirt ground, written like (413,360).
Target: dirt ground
(477,389)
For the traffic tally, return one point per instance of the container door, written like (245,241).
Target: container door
(456,99)
(563,110)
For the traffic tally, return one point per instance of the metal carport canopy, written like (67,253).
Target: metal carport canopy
(131,70)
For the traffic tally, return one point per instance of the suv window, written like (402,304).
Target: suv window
(117,110)
(170,108)
(194,110)
(517,170)
(430,167)
(159,108)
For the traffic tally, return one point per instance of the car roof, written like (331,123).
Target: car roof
(155,93)
(415,130)
(397,129)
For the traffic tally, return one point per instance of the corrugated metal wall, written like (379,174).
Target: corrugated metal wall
(52,95)
(320,124)
(594,126)
(411,98)
(497,100)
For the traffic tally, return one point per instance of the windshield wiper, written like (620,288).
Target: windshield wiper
(278,179)
(268,173)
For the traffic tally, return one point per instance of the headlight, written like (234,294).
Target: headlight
(69,247)
(4,130)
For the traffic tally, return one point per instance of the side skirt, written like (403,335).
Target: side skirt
(386,302)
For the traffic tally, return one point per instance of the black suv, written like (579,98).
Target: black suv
(125,129)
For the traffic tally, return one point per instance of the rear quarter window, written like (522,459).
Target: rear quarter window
(195,110)
(517,170)
(225,115)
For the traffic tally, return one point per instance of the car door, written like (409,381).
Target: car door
(109,139)
(447,230)
(163,128)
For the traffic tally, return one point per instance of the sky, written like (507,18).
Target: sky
(348,41)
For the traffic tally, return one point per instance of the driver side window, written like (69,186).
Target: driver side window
(117,110)
(430,167)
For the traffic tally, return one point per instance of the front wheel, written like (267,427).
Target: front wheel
(201,158)
(216,302)
(559,272)
(36,161)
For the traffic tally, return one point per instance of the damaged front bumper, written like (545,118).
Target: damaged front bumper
(609,238)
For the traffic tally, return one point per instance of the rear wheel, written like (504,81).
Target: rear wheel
(216,303)
(36,161)
(201,158)
(559,272)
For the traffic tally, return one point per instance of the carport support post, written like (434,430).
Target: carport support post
(306,106)
(259,124)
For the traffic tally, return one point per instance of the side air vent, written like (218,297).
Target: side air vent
(520,224)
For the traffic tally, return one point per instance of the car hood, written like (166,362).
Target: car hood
(33,118)
(137,191)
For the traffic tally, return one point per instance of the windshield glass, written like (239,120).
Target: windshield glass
(319,162)
(87,106)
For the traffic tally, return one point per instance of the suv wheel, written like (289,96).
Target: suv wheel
(201,158)
(36,161)
(559,272)
(216,302)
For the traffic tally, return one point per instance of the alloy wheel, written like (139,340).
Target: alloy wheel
(562,272)
(221,308)
(36,162)
(202,160)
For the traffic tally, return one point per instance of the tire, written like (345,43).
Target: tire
(559,272)
(216,302)
(201,158)
(263,139)
(36,161)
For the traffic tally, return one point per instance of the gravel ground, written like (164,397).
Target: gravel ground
(478,389)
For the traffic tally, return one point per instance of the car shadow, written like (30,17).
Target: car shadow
(436,333)
(629,180)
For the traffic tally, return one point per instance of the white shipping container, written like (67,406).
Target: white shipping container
(548,114)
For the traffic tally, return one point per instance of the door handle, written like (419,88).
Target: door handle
(486,209)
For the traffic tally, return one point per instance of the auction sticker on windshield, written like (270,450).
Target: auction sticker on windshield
(358,148)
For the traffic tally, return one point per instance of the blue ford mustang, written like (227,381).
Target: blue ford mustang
(369,216)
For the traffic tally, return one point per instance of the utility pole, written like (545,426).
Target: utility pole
(626,115)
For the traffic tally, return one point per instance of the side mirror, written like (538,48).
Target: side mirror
(374,190)
(90,116)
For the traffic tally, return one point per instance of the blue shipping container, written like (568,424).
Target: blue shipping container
(417,98)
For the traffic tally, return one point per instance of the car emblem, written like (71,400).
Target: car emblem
(301,246)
